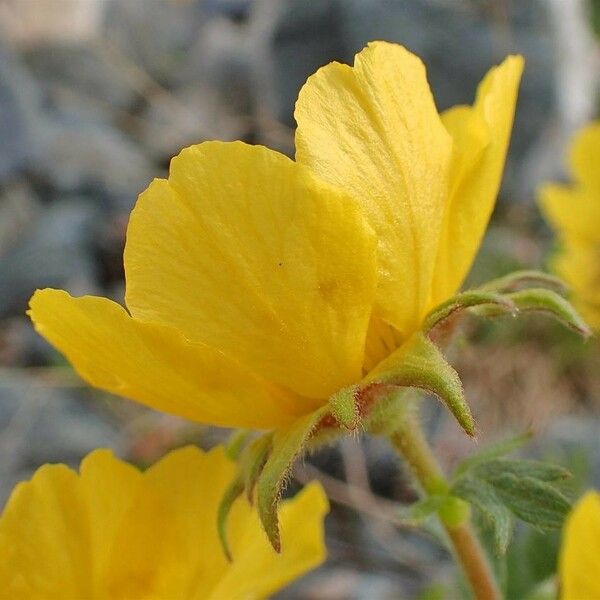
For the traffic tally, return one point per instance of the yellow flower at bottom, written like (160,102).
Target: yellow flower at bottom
(580,553)
(114,532)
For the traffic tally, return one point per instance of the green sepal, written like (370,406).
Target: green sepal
(543,300)
(539,299)
(253,462)
(344,407)
(467,299)
(236,442)
(250,462)
(391,409)
(287,445)
(520,279)
(233,491)
(419,363)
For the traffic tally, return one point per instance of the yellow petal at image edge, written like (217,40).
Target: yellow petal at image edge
(116,533)
(154,365)
(580,552)
(44,518)
(573,211)
(250,253)
(481,134)
(584,155)
(373,130)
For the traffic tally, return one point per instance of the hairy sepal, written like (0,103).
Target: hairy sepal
(525,279)
(251,461)
(547,301)
(419,364)
(287,445)
(468,299)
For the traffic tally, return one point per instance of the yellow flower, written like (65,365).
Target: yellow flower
(580,552)
(258,286)
(574,212)
(113,532)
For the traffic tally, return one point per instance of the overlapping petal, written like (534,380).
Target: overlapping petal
(249,252)
(373,130)
(155,365)
(113,532)
(580,552)
(481,134)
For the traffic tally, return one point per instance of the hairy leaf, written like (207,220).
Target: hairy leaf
(497,516)
(492,451)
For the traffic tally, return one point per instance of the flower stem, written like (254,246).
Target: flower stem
(410,442)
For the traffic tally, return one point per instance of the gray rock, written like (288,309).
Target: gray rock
(155,35)
(19,107)
(93,159)
(55,252)
(87,70)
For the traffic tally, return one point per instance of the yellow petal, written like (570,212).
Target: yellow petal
(573,211)
(115,533)
(118,524)
(257,570)
(44,547)
(583,157)
(481,134)
(154,365)
(580,552)
(373,129)
(249,252)
(192,484)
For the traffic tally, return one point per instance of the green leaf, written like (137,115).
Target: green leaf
(465,300)
(519,279)
(501,488)
(287,445)
(531,500)
(418,363)
(492,451)
(497,516)
(535,469)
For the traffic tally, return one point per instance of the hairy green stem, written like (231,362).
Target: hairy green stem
(411,444)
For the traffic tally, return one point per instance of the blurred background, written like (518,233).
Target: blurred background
(97,95)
